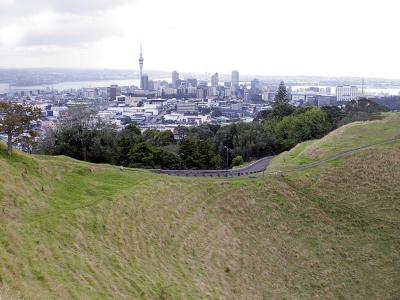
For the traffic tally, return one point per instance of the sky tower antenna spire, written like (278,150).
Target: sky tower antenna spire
(141,60)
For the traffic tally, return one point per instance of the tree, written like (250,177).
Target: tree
(127,138)
(28,141)
(392,102)
(83,136)
(159,138)
(333,115)
(197,154)
(281,106)
(295,129)
(203,132)
(188,153)
(171,161)
(16,120)
(281,94)
(80,127)
(164,138)
(362,110)
(47,144)
(104,145)
(142,156)
(217,162)
(182,133)
(250,140)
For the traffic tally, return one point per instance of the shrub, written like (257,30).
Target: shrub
(237,161)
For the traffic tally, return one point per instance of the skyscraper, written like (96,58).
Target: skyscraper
(214,80)
(114,91)
(255,84)
(145,82)
(235,78)
(175,77)
(141,60)
(192,82)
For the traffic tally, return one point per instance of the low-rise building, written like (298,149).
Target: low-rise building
(186,106)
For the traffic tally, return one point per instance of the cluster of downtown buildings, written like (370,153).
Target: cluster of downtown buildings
(166,104)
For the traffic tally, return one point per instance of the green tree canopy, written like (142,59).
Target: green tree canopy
(294,129)
(16,122)
(281,95)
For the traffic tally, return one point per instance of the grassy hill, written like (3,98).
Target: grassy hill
(74,230)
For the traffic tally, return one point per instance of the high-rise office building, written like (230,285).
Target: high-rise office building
(191,82)
(114,91)
(202,92)
(255,84)
(141,60)
(235,78)
(175,78)
(145,82)
(151,85)
(214,80)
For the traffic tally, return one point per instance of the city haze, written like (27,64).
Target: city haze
(326,38)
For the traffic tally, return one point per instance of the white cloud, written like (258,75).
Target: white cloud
(315,37)
(66,30)
(79,7)
(10,35)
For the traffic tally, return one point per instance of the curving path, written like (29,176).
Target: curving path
(254,168)
(261,165)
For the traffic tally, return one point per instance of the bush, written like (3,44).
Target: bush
(237,161)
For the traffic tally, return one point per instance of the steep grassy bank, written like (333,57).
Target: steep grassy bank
(347,138)
(75,230)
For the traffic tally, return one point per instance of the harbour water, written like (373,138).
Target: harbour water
(62,86)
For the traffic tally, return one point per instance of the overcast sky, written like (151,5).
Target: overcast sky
(266,37)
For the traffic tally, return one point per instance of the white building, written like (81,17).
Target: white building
(186,107)
(346,93)
(182,119)
(133,101)
(89,93)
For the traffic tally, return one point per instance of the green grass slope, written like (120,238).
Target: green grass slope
(70,230)
(349,138)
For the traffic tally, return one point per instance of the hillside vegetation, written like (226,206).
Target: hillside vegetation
(74,230)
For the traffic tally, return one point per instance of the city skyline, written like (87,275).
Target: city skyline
(341,38)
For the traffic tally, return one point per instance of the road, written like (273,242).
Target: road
(261,165)
(257,167)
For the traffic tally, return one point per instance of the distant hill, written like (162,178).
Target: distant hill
(319,228)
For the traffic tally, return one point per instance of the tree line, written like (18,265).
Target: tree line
(83,136)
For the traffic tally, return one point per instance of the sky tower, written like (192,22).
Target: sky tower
(141,60)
